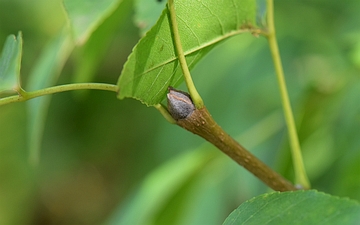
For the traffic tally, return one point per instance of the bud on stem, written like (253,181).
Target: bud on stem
(180,104)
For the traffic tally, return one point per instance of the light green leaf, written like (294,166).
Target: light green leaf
(153,66)
(45,74)
(299,207)
(86,15)
(10,63)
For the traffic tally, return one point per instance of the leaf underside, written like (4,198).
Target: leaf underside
(299,207)
(153,65)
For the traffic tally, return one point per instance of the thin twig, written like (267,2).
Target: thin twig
(24,96)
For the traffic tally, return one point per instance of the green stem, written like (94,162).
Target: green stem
(300,173)
(196,98)
(61,88)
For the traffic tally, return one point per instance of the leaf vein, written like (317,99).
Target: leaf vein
(216,16)
(155,79)
(186,24)
(285,210)
(188,52)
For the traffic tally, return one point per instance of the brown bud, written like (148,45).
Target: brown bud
(180,104)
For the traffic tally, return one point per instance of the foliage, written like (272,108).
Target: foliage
(152,66)
(98,152)
(300,207)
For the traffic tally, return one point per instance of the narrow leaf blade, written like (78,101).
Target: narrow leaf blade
(159,187)
(45,74)
(299,207)
(10,63)
(153,66)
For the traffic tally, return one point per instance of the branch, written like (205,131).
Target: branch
(200,122)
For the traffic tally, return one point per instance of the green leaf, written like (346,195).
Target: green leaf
(10,63)
(45,74)
(299,207)
(86,15)
(152,66)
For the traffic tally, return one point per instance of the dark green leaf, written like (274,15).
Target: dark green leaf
(299,207)
(10,63)
(86,15)
(152,66)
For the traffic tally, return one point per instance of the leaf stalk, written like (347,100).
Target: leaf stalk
(299,168)
(195,96)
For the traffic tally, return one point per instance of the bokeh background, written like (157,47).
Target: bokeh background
(106,161)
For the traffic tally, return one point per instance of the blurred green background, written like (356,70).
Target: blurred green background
(105,161)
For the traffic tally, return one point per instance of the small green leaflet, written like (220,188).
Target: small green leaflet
(10,63)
